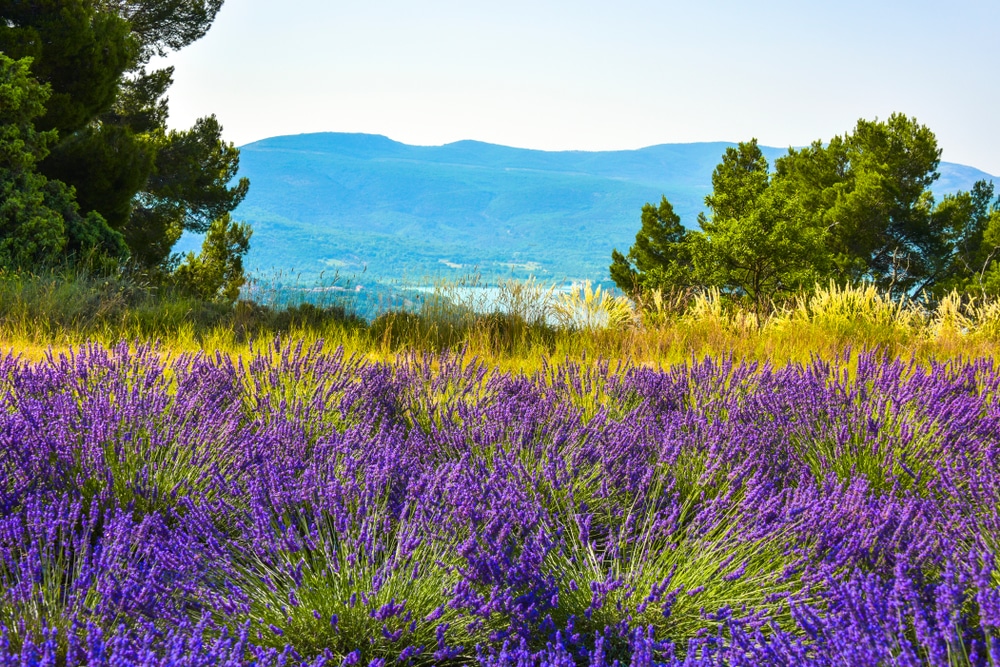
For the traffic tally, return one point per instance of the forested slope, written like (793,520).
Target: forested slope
(344,202)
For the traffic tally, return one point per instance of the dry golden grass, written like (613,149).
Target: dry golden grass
(529,323)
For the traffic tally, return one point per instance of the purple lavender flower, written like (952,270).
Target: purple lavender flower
(206,510)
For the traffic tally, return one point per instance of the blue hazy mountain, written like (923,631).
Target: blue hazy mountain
(350,203)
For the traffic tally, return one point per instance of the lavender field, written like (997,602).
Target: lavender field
(300,506)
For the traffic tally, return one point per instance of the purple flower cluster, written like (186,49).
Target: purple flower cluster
(302,507)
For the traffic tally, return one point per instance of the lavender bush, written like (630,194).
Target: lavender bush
(299,506)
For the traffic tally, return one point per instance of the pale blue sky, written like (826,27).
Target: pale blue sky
(597,75)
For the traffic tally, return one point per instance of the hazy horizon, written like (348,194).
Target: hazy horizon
(551,75)
(555,150)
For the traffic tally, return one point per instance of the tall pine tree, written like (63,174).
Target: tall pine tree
(660,258)
(110,114)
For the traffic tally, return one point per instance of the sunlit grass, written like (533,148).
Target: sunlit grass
(522,324)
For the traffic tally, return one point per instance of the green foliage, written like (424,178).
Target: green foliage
(755,244)
(870,191)
(89,238)
(162,26)
(40,221)
(148,183)
(661,256)
(23,101)
(187,189)
(738,182)
(113,148)
(106,164)
(29,230)
(79,52)
(856,209)
(972,223)
(217,272)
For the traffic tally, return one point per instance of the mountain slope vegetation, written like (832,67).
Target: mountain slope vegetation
(353,203)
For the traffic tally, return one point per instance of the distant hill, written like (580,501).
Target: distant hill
(353,202)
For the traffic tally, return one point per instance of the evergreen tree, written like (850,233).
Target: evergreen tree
(870,190)
(110,114)
(660,257)
(79,53)
(858,208)
(972,223)
(216,274)
(162,26)
(755,244)
(188,189)
(40,222)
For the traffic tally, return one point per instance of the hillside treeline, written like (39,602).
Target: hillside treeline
(857,209)
(89,173)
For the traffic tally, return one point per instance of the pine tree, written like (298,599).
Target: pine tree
(40,222)
(110,113)
(660,258)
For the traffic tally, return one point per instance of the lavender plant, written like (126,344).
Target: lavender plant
(301,506)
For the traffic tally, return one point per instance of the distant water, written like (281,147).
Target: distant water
(369,299)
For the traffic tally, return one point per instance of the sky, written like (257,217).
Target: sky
(594,75)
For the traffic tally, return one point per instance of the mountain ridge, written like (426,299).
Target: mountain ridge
(356,204)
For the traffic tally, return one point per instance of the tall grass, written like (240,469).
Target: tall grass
(63,308)
(512,324)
